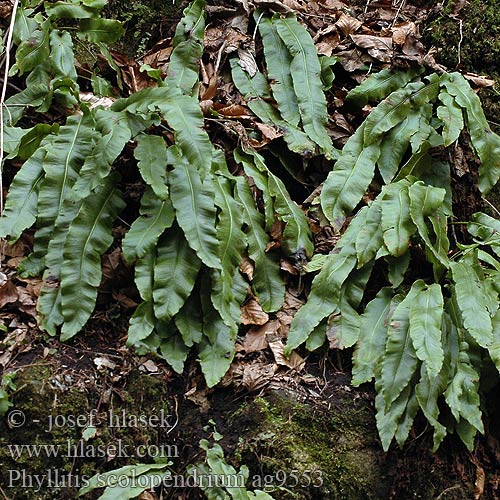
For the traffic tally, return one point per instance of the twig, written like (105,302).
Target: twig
(495,209)
(401,5)
(459,48)
(8,46)
(256,26)
(5,497)
(447,490)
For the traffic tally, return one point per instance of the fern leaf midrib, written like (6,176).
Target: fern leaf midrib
(305,66)
(91,232)
(67,166)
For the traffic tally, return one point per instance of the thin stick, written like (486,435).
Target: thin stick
(459,48)
(2,97)
(402,3)
(495,209)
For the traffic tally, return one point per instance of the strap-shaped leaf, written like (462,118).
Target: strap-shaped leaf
(35,94)
(24,25)
(184,115)
(151,154)
(317,337)
(115,133)
(61,54)
(370,237)
(141,324)
(89,236)
(96,30)
(395,144)
(69,10)
(380,85)
(485,230)
(428,391)
(278,62)
(426,310)
(260,178)
(256,90)
(324,298)
(183,66)
(396,420)
(397,267)
(21,207)
(472,299)
(267,278)
(296,235)
(343,329)
(399,361)
(452,117)
(425,201)
(189,320)
(33,51)
(389,113)
(175,274)
(233,243)
(462,394)
(216,348)
(373,334)
(30,140)
(171,346)
(156,215)
(485,142)
(65,155)
(194,205)
(306,75)
(396,220)
(144,275)
(349,179)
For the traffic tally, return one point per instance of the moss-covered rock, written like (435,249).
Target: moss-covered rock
(290,442)
(51,417)
(330,452)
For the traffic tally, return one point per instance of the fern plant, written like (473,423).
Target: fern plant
(196,219)
(425,339)
(431,339)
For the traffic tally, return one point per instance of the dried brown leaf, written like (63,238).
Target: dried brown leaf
(479,80)
(255,339)
(294,362)
(353,59)
(379,48)
(247,62)
(247,267)
(252,314)
(8,293)
(348,24)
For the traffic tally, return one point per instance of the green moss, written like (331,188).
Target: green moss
(143,22)
(284,441)
(295,441)
(51,403)
(479,48)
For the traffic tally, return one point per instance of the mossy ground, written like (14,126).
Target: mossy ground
(57,408)
(145,22)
